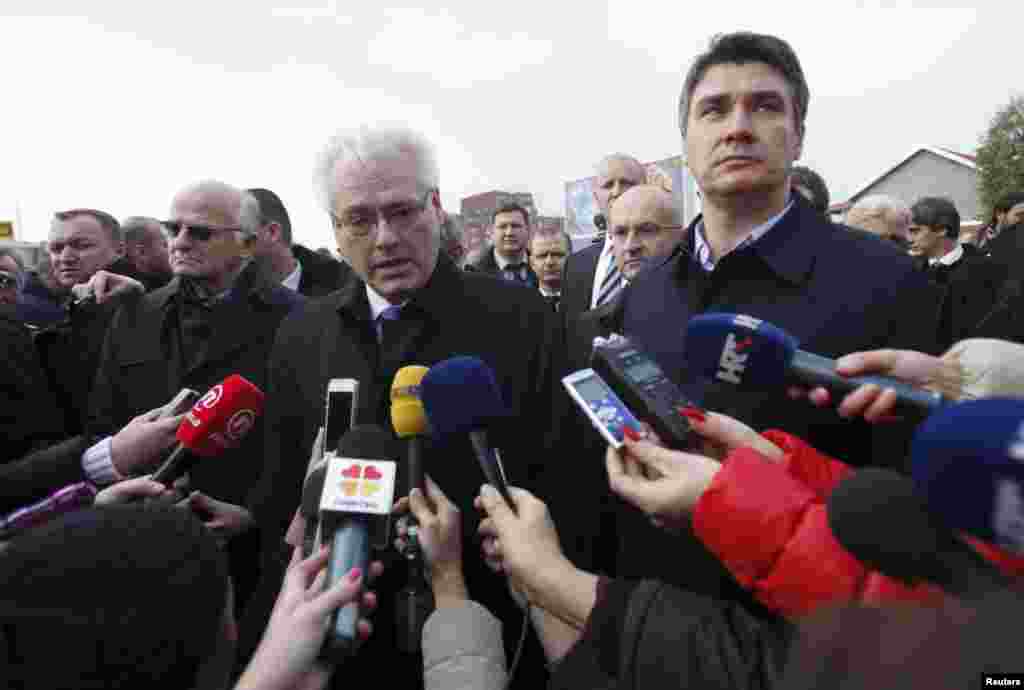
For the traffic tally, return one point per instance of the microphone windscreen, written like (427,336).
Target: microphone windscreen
(739,349)
(369,442)
(312,490)
(407,414)
(878,517)
(967,461)
(221,418)
(461,395)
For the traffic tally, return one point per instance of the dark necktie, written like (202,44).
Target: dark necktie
(553,300)
(514,272)
(392,313)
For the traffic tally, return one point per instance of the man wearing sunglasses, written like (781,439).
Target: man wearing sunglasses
(216,317)
(11,273)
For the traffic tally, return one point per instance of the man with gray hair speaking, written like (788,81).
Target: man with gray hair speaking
(405,303)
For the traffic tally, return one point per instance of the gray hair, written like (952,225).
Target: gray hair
(602,165)
(451,230)
(380,142)
(878,205)
(249,216)
(548,232)
(135,229)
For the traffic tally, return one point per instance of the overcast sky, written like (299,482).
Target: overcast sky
(116,105)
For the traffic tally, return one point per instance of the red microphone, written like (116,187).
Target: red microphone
(218,422)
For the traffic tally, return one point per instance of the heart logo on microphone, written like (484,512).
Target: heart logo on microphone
(353,472)
(369,485)
(359,486)
(372,472)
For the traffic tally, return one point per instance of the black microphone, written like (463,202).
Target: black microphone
(309,509)
(878,517)
(359,488)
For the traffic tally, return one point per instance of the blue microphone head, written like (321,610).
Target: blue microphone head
(461,395)
(967,461)
(739,349)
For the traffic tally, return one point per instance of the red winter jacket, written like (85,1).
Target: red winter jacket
(766,521)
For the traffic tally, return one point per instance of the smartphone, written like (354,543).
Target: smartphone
(181,403)
(339,410)
(603,408)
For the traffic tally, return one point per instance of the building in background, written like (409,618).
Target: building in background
(670,173)
(927,171)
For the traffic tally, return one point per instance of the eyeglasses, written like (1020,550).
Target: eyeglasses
(172,228)
(7,281)
(361,221)
(643,231)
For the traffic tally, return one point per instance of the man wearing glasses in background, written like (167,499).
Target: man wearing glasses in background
(645,224)
(216,317)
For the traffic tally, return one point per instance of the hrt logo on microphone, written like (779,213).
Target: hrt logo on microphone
(212,397)
(733,361)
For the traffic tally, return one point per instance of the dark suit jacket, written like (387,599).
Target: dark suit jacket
(970,287)
(577,289)
(136,371)
(835,291)
(29,415)
(456,313)
(321,275)
(488,264)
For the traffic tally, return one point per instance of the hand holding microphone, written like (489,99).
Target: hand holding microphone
(440,538)
(287,656)
(218,422)
(750,353)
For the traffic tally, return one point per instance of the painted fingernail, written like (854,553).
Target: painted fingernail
(631,433)
(694,414)
(354,574)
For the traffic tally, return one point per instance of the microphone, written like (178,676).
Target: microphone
(216,423)
(312,492)
(359,483)
(751,353)
(461,396)
(967,462)
(409,419)
(878,517)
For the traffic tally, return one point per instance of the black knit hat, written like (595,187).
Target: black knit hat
(125,596)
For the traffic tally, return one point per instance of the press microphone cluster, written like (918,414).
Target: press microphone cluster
(753,354)
(218,422)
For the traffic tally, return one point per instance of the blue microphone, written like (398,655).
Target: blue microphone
(461,396)
(967,462)
(750,353)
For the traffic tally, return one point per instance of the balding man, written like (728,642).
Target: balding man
(591,277)
(884,216)
(645,224)
(217,317)
(145,247)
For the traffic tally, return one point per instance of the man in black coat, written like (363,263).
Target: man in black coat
(760,249)
(405,303)
(585,271)
(307,272)
(507,256)
(217,317)
(969,281)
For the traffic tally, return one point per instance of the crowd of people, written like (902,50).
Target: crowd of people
(633,567)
